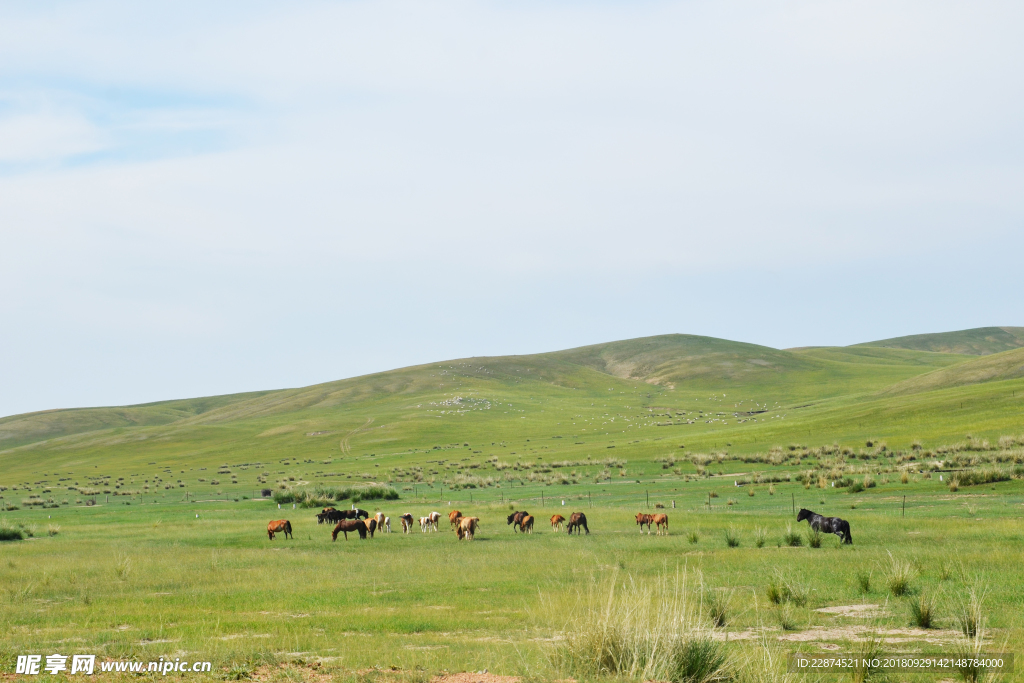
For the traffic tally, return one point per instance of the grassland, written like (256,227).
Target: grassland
(161,547)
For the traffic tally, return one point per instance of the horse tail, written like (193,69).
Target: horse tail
(848,537)
(287,527)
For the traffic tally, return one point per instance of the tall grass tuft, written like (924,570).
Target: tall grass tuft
(781,590)
(922,611)
(791,538)
(716,605)
(649,631)
(864,581)
(732,538)
(760,536)
(53,529)
(786,618)
(693,536)
(970,618)
(122,567)
(8,532)
(813,537)
(898,575)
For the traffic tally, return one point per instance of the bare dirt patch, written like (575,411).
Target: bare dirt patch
(861,611)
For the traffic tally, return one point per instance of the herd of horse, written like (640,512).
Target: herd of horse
(360,521)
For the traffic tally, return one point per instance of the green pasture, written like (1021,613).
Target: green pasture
(151,580)
(159,548)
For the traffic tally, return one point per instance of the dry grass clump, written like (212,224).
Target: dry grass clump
(922,611)
(650,631)
(898,575)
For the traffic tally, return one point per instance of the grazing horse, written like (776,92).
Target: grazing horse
(359,514)
(453,517)
(577,520)
(424,524)
(642,519)
(387,525)
(660,520)
(467,527)
(516,519)
(371,526)
(830,525)
(527,524)
(279,526)
(556,522)
(380,520)
(347,525)
(406,523)
(434,518)
(322,517)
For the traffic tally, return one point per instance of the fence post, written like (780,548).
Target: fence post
(591,500)
(904,506)
(648,494)
(542,499)
(793,495)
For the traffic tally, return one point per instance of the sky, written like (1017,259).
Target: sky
(204,198)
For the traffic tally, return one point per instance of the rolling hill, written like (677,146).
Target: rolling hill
(644,398)
(980,341)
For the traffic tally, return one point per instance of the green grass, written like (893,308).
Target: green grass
(144,555)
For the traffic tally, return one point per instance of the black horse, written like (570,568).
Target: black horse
(360,514)
(830,525)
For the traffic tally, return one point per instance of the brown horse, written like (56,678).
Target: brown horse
(516,519)
(556,522)
(379,517)
(527,524)
(406,522)
(467,528)
(453,517)
(347,525)
(660,520)
(642,519)
(279,526)
(371,526)
(577,520)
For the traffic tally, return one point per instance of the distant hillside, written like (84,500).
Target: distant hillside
(18,430)
(990,368)
(980,341)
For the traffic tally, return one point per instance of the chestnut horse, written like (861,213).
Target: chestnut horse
(527,524)
(279,526)
(453,517)
(642,519)
(347,525)
(406,522)
(556,522)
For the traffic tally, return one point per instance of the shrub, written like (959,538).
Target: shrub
(53,529)
(904,477)
(791,538)
(323,496)
(644,632)
(922,611)
(898,576)
(954,485)
(856,487)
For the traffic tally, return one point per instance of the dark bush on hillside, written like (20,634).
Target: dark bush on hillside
(322,496)
(11,534)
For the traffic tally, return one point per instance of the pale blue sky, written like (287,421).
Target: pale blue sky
(197,201)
